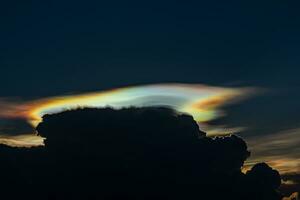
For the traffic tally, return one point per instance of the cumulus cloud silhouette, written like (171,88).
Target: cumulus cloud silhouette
(134,153)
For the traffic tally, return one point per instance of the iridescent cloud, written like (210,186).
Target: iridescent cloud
(203,102)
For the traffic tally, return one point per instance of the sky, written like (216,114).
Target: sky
(53,49)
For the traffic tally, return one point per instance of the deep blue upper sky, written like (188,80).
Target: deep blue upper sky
(55,47)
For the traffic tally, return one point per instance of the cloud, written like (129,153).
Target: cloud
(26,140)
(294,196)
(135,153)
(280,150)
(290,183)
(203,102)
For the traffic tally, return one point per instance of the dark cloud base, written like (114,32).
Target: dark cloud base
(132,153)
(291,183)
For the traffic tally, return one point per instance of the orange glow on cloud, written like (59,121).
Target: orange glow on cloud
(202,102)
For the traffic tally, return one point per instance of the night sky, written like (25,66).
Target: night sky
(56,48)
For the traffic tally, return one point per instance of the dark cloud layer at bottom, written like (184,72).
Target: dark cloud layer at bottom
(133,153)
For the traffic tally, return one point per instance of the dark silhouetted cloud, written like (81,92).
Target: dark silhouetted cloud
(133,153)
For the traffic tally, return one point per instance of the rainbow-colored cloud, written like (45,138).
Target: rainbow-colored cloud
(203,102)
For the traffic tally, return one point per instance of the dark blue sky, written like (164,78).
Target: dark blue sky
(57,47)
(54,47)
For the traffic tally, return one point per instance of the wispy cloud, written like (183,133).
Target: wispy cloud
(24,140)
(280,150)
